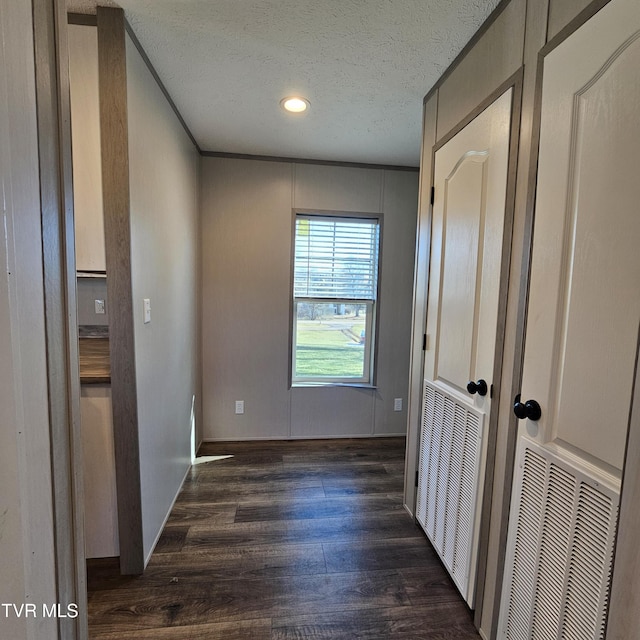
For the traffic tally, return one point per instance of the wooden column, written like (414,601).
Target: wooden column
(112,67)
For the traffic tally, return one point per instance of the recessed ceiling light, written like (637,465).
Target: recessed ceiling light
(294,104)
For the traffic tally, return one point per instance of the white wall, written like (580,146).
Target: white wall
(27,564)
(99,473)
(246,293)
(163,171)
(85,130)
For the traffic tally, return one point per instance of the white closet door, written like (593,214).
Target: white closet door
(470,184)
(581,339)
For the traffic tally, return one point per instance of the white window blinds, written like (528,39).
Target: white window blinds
(336,258)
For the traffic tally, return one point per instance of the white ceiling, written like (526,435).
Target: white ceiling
(364,65)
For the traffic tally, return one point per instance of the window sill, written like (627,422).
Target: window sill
(356,385)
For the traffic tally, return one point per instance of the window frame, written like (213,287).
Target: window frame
(368,380)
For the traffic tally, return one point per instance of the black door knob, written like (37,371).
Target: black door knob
(479,387)
(529,409)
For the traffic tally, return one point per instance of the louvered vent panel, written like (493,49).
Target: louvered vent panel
(435,425)
(469,429)
(554,547)
(449,480)
(452,499)
(525,533)
(590,565)
(426,437)
(445,476)
(559,551)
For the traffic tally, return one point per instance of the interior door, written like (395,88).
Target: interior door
(581,337)
(470,184)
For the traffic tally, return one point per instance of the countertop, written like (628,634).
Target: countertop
(95,367)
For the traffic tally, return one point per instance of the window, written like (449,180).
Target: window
(335,287)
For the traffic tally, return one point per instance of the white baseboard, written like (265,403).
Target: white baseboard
(318,437)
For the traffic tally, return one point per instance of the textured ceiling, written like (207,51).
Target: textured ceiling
(364,65)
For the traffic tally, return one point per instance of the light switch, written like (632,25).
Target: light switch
(147,310)
(397,404)
(99,306)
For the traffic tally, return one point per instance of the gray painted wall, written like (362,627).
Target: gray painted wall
(89,290)
(164,219)
(246,278)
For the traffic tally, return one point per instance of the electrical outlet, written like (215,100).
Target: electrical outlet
(99,306)
(397,404)
(239,406)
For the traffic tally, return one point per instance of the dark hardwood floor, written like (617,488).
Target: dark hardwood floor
(283,540)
